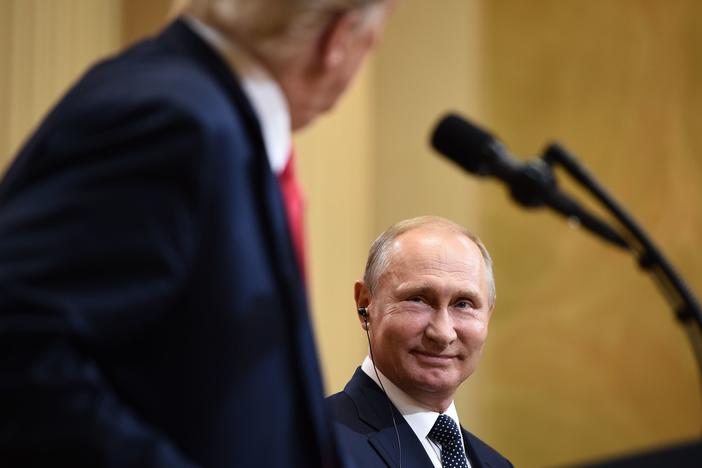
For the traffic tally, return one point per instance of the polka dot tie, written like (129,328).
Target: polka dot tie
(446,434)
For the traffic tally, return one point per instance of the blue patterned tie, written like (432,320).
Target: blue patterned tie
(446,434)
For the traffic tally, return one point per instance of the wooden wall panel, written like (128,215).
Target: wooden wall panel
(145,18)
(44,46)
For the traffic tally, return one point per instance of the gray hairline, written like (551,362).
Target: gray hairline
(379,253)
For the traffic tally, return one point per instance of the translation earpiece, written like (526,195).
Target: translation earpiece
(363,312)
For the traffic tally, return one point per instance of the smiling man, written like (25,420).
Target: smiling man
(425,302)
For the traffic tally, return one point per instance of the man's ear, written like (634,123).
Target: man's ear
(340,34)
(362,297)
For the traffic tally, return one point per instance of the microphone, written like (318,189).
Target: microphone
(473,149)
(531,184)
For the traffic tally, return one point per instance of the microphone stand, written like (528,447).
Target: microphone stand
(649,258)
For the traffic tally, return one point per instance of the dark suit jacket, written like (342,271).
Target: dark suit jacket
(151,309)
(365,429)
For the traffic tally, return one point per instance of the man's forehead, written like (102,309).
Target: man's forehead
(423,255)
(418,271)
(432,244)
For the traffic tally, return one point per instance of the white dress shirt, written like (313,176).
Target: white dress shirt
(419,419)
(263,92)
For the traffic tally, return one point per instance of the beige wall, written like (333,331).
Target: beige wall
(584,358)
(44,45)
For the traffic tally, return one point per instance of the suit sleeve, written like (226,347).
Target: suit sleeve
(97,229)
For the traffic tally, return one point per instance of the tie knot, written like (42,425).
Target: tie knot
(445,431)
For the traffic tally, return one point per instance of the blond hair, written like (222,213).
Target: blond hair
(277,28)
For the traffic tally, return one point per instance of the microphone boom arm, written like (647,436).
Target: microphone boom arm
(535,185)
(649,258)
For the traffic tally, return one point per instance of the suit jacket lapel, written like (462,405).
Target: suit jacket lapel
(374,409)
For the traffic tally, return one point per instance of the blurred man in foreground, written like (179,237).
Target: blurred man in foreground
(152,305)
(425,302)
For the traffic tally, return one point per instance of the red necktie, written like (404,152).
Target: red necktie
(294,209)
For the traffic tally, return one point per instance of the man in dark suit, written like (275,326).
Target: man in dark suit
(424,302)
(152,307)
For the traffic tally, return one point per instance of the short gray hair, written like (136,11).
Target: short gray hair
(379,253)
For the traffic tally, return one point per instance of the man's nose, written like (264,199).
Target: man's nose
(441,328)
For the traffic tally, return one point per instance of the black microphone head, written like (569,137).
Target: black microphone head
(463,143)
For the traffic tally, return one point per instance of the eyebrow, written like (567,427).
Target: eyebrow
(424,290)
(416,289)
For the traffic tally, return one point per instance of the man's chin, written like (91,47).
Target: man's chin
(435,382)
(311,114)
(302,121)
(435,396)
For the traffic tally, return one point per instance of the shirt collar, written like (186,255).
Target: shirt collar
(263,92)
(419,418)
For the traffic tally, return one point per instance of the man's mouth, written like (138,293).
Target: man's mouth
(434,358)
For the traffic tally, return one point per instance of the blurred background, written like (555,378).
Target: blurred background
(584,359)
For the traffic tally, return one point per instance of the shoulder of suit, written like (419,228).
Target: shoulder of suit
(486,452)
(339,402)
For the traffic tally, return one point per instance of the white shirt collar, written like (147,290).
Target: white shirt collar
(419,418)
(264,93)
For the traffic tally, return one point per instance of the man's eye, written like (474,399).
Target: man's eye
(464,304)
(416,299)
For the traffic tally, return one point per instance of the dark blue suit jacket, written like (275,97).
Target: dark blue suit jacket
(151,309)
(367,435)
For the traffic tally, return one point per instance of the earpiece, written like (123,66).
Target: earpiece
(363,312)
